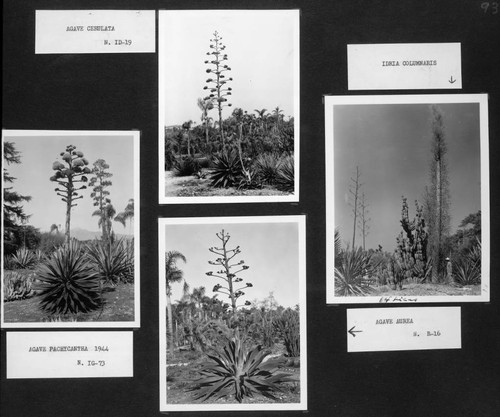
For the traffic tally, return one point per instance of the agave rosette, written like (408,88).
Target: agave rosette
(236,371)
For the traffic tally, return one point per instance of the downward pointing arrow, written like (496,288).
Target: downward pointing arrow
(353,332)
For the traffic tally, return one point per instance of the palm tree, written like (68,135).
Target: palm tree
(126,214)
(277,113)
(187,127)
(172,275)
(205,106)
(197,298)
(106,215)
(262,114)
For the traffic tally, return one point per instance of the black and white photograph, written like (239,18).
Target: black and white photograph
(232,314)
(407,198)
(70,229)
(228,106)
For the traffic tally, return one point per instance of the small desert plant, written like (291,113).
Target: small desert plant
(227,170)
(68,282)
(18,286)
(239,372)
(8,263)
(286,174)
(110,259)
(24,259)
(351,276)
(186,167)
(288,327)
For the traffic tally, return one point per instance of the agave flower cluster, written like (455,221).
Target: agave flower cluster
(226,273)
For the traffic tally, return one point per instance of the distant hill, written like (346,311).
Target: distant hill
(83,234)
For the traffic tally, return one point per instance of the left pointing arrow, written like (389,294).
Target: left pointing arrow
(353,332)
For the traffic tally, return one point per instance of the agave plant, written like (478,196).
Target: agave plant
(24,259)
(239,372)
(286,174)
(17,286)
(468,269)
(351,275)
(111,260)
(227,170)
(267,166)
(68,283)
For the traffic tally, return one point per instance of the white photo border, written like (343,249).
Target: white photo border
(12,133)
(330,102)
(300,220)
(162,198)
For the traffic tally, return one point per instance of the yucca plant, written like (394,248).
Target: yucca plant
(24,259)
(239,372)
(227,170)
(68,283)
(350,275)
(286,174)
(110,259)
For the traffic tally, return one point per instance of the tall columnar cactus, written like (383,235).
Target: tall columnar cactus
(411,246)
(227,273)
(68,174)
(218,86)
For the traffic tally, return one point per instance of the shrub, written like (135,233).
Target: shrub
(227,170)
(351,276)
(68,282)
(286,174)
(250,180)
(186,167)
(239,372)
(288,327)
(24,259)
(18,286)
(111,260)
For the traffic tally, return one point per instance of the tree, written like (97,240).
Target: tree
(438,197)
(217,86)
(100,194)
(13,210)
(172,275)
(68,175)
(106,215)
(126,214)
(262,118)
(205,106)
(227,273)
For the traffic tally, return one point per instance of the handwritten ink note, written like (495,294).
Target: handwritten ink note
(69,354)
(94,31)
(404,66)
(406,328)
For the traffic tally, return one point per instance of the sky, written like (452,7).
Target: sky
(262,49)
(271,250)
(391,145)
(39,152)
